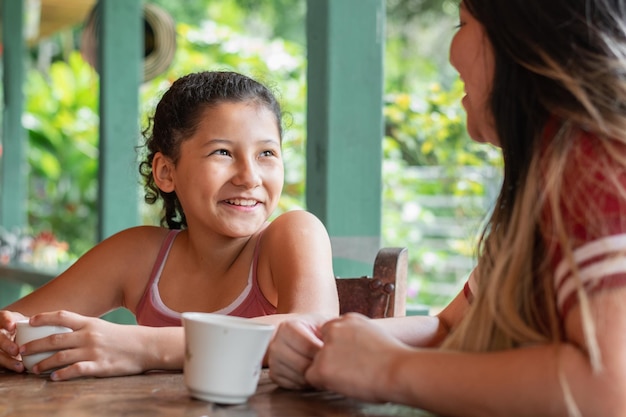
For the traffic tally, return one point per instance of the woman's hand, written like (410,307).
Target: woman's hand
(9,350)
(358,358)
(94,348)
(293,348)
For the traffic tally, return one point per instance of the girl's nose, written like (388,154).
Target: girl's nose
(247,174)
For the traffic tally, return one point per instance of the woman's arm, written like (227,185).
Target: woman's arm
(360,359)
(426,331)
(297,341)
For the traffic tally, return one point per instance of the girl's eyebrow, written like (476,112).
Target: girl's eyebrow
(269,141)
(214,141)
(219,141)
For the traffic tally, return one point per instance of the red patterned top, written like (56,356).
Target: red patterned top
(594,219)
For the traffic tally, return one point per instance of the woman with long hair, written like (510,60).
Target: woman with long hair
(540,327)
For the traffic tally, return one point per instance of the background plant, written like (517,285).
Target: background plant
(61,118)
(438,186)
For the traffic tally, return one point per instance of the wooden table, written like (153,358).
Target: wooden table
(165,395)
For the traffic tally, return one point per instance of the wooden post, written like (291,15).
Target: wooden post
(14,174)
(120,55)
(345,40)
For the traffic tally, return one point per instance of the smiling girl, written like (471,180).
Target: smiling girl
(213,155)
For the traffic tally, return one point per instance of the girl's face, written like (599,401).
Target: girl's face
(471,54)
(229,176)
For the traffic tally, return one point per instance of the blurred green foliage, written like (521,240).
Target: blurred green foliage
(438,185)
(61,117)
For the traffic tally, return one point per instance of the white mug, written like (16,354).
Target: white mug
(26,333)
(223,356)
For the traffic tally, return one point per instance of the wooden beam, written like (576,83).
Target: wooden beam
(345,41)
(121,71)
(14,173)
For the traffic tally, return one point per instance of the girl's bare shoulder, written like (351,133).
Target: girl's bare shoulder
(292,221)
(139,235)
(132,243)
(296,231)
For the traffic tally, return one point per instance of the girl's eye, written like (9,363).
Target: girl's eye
(223,152)
(267,153)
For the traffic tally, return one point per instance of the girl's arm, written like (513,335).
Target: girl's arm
(295,267)
(426,331)
(100,280)
(361,360)
(295,270)
(99,348)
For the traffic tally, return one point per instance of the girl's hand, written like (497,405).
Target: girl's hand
(95,347)
(358,358)
(292,350)
(9,351)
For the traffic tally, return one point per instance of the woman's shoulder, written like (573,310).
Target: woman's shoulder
(589,148)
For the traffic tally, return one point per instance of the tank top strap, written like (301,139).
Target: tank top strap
(251,302)
(157,268)
(255,258)
(267,307)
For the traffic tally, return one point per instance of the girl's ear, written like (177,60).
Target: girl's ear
(162,169)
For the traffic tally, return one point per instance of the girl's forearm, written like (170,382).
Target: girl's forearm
(162,348)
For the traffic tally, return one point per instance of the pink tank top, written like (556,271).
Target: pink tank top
(151,311)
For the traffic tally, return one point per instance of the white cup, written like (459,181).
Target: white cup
(26,333)
(223,356)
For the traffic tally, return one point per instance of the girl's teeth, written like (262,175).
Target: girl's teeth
(238,202)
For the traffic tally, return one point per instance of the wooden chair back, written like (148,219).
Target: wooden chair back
(381,295)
